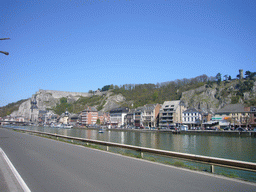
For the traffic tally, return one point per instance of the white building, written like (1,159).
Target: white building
(191,117)
(117,116)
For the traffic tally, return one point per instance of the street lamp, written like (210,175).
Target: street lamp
(4,52)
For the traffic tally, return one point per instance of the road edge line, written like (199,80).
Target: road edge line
(15,172)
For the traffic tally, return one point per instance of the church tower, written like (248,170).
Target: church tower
(33,109)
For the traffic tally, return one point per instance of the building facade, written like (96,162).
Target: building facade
(192,117)
(149,117)
(234,115)
(117,116)
(170,114)
(130,118)
(138,121)
(89,116)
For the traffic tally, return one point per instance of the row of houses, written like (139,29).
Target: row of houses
(170,114)
(174,113)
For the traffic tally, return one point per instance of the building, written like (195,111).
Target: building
(34,112)
(74,120)
(42,117)
(192,117)
(89,116)
(117,116)
(235,115)
(241,73)
(149,117)
(138,121)
(170,114)
(252,121)
(104,118)
(130,118)
(66,117)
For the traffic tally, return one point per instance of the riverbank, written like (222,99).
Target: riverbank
(189,132)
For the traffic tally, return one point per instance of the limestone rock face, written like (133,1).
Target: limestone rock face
(24,109)
(46,99)
(113,101)
(215,97)
(200,98)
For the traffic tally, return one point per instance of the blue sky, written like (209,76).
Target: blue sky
(77,46)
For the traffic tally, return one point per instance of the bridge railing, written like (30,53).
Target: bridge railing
(212,161)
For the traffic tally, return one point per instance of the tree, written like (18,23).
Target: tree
(63,100)
(218,78)
(105,88)
(98,121)
(226,77)
(155,96)
(250,74)
(229,78)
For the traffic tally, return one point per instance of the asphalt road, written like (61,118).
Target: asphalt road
(49,165)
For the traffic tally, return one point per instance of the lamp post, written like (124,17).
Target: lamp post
(4,52)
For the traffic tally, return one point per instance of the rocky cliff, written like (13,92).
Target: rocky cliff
(46,99)
(113,101)
(213,97)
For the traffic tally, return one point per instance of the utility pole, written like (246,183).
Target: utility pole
(4,52)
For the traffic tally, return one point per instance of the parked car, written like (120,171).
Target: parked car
(226,128)
(240,129)
(209,128)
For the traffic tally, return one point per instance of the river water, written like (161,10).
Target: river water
(222,146)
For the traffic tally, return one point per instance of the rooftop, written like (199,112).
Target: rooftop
(234,108)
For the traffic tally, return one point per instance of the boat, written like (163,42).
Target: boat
(64,126)
(101,131)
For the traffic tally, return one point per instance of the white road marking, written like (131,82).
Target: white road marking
(15,172)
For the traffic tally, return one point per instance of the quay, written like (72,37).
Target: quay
(189,132)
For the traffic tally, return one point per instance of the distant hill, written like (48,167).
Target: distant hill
(201,92)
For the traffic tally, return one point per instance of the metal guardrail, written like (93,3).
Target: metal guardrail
(234,164)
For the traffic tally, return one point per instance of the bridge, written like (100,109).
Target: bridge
(2,122)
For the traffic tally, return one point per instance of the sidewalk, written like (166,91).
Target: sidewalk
(9,177)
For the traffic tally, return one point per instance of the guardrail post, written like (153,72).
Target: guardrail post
(212,168)
(72,141)
(141,154)
(107,148)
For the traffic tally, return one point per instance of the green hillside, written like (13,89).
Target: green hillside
(8,109)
